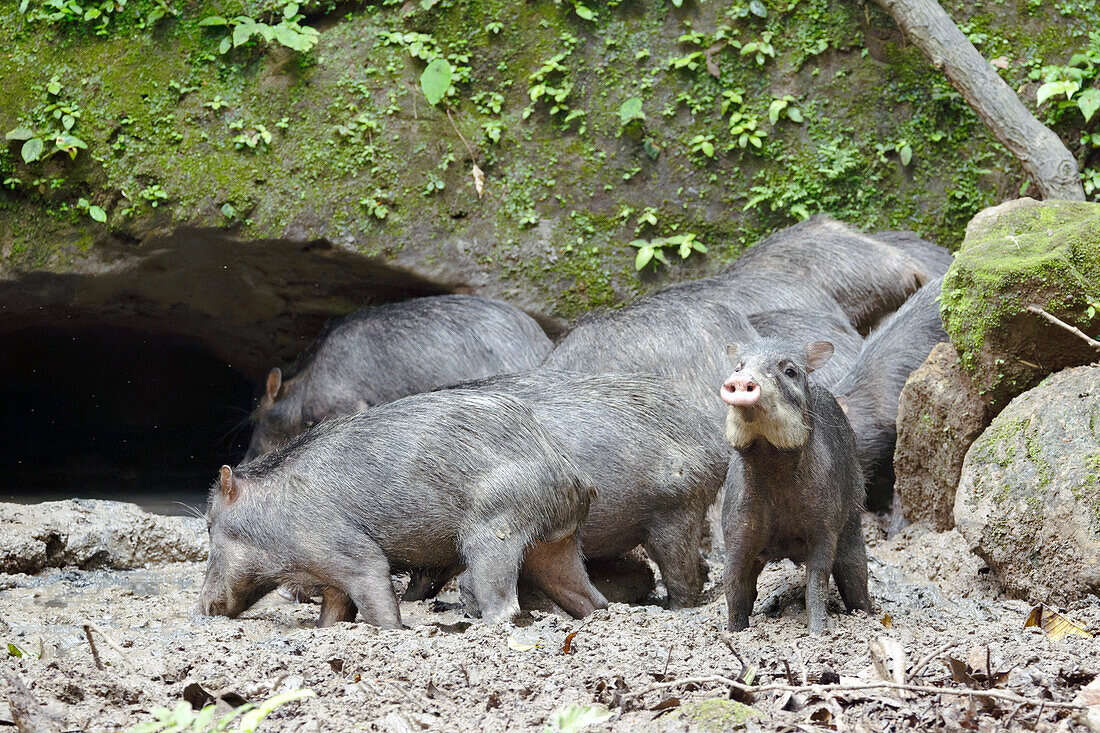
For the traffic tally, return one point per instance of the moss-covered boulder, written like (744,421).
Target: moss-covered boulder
(1014,255)
(1029,497)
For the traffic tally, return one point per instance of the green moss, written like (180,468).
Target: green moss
(1088,492)
(1051,248)
(357,123)
(998,442)
(716,714)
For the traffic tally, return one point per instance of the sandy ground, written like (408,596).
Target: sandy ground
(447,672)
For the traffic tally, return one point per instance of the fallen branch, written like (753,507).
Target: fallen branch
(1062,324)
(841,687)
(923,661)
(89,627)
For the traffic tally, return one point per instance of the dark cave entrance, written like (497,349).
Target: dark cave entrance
(116,413)
(132,378)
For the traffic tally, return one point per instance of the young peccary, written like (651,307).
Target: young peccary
(794,486)
(456,478)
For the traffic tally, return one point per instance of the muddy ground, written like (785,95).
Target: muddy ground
(447,672)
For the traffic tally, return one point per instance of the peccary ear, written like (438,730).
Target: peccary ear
(843,402)
(271,389)
(818,354)
(228,484)
(732,351)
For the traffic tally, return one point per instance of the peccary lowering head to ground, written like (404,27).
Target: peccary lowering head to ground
(794,486)
(456,478)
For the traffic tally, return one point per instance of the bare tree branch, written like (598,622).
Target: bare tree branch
(1044,158)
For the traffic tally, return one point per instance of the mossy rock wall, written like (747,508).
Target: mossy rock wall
(1019,254)
(339,144)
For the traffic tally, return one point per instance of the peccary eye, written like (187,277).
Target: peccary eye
(790,372)
(738,367)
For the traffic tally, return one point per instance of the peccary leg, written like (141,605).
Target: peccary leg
(740,586)
(850,566)
(557,568)
(336,606)
(425,583)
(492,571)
(674,546)
(371,590)
(819,565)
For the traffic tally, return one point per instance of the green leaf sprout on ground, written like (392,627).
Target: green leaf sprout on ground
(184,719)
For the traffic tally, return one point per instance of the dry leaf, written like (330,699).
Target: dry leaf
(479,179)
(520,646)
(567,645)
(667,704)
(887,621)
(978,661)
(712,65)
(1001,62)
(960,673)
(1054,624)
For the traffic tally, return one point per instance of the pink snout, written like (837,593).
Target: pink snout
(740,391)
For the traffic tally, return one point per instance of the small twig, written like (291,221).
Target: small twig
(667,660)
(740,660)
(460,136)
(1038,716)
(841,687)
(1008,721)
(923,661)
(1062,324)
(89,627)
(91,643)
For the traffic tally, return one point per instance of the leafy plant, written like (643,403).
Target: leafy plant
(184,718)
(154,195)
(1075,76)
(901,147)
(631,111)
(745,131)
(287,32)
(702,144)
(97,213)
(54,135)
(761,49)
(377,204)
(650,250)
(784,108)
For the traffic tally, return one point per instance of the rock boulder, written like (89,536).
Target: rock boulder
(939,415)
(1028,501)
(1017,254)
(88,533)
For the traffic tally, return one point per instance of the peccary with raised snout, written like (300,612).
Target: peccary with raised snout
(804,326)
(460,478)
(794,488)
(380,354)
